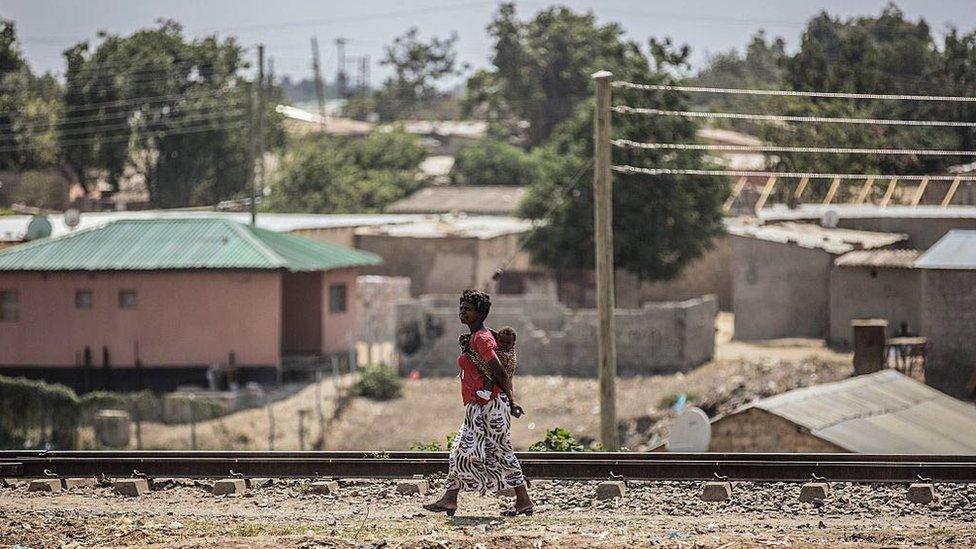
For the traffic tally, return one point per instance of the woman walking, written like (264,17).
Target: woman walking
(482,459)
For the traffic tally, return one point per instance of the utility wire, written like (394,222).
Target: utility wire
(137,101)
(150,133)
(12,126)
(627,144)
(790,93)
(789,118)
(91,131)
(795,175)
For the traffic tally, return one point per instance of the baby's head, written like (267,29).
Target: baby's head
(506,339)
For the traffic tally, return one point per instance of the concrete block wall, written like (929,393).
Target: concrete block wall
(780,289)
(865,292)
(553,340)
(949,323)
(756,430)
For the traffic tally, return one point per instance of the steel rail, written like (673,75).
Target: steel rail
(12,455)
(665,469)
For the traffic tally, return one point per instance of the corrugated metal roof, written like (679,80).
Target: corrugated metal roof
(808,235)
(475,199)
(14,227)
(892,259)
(482,227)
(955,250)
(179,244)
(884,412)
(807,212)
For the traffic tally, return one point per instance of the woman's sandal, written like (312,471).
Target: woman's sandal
(435,508)
(527,511)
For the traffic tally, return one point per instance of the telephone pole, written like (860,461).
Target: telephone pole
(341,72)
(319,85)
(603,225)
(260,129)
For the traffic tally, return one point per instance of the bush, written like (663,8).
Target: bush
(558,440)
(379,382)
(434,446)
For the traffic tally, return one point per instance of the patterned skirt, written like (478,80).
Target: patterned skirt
(482,459)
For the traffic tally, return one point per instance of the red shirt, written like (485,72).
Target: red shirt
(483,343)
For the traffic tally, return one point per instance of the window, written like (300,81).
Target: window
(83,299)
(337,298)
(128,299)
(9,305)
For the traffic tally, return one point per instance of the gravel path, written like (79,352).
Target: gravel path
(372,514)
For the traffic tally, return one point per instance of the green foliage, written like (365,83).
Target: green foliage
(379,382)
(417,66)
(490,161)
(190,143)
(434,445)
(330,175)
(29,108)
(558,440)
(35,412)
(541,67)
(660,223)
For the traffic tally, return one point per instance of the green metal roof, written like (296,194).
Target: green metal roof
(159,244)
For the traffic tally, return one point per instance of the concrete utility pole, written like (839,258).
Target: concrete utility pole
(317,69)
(603,225)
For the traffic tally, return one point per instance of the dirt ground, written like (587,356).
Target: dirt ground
(373,515)
(430,409)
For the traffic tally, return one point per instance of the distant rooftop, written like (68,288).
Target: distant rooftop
(955,250)
(892,259)
(779,212)
(808,235)
(482,227)
(880,413)
(472,199)
(13,228)
(179,244)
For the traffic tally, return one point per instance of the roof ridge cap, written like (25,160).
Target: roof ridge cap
(245,233)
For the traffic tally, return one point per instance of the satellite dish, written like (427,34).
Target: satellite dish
(72,218)
(690,431)
(829,219)
(39,227)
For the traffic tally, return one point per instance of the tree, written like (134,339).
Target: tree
(885,54)
(660,222)
(333,175)
(29,107)
(541,68)
(172,109)
(417,66)
(490,161)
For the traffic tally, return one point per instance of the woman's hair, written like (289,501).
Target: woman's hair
(479,300)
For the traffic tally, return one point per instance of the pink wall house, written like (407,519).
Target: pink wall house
(178,296)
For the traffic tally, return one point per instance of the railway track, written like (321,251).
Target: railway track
(569,466)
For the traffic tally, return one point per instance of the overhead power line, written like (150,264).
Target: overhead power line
(790,118)
(625,143)
(795,175)
(156,134)
(137,101)
(789,93)
(91,131)
(11,126)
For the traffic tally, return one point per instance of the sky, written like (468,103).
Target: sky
(47,27)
